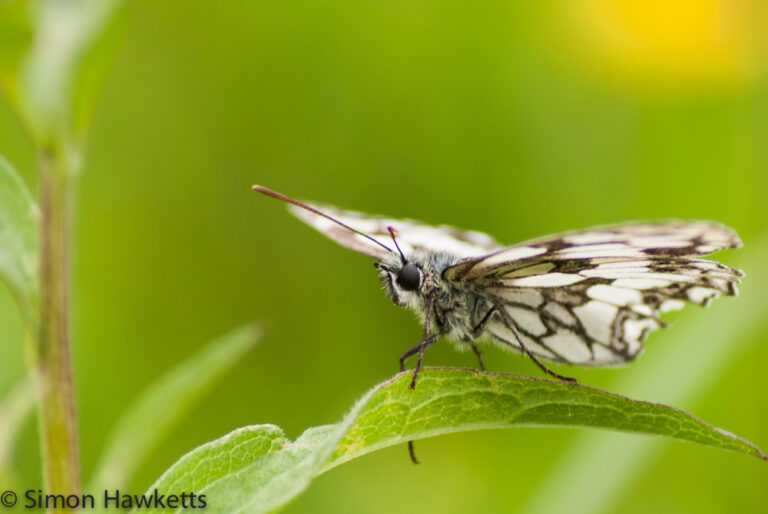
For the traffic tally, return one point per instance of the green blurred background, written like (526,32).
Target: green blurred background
(515,118)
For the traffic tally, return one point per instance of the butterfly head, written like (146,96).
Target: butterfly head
(403,278)
(402,281)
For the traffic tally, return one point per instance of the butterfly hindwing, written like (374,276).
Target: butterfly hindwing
(590,299)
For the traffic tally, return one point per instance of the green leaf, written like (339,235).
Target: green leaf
(165,403)
(252,469)
(56,57)
(19,218)
(256,469)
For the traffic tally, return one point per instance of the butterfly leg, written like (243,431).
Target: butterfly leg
(478,354)
(543,367)
(483,322)
(419,348)
(412,453)
(511,326)
(427,340)
(476,331)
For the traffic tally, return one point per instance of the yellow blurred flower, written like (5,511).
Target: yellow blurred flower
(707,42)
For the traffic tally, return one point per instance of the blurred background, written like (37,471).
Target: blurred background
(514,118)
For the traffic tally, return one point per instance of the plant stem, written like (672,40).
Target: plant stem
(58,426)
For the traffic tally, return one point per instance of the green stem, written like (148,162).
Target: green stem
(58,426)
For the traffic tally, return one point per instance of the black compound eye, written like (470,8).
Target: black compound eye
(409,277)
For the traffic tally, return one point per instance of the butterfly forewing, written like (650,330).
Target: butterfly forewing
(622,242)
(411,235)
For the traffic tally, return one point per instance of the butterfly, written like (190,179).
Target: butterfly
(586,298)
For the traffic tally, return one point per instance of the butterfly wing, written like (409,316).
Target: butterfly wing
(591,298)
(411,235)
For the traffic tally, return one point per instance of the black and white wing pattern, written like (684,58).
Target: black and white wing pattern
(411,235)
(591,298)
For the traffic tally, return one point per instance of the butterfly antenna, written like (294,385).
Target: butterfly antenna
(392,233)
(275,194)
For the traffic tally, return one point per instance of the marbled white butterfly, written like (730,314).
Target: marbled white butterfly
(585,298)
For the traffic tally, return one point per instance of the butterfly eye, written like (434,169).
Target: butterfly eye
(409,277)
